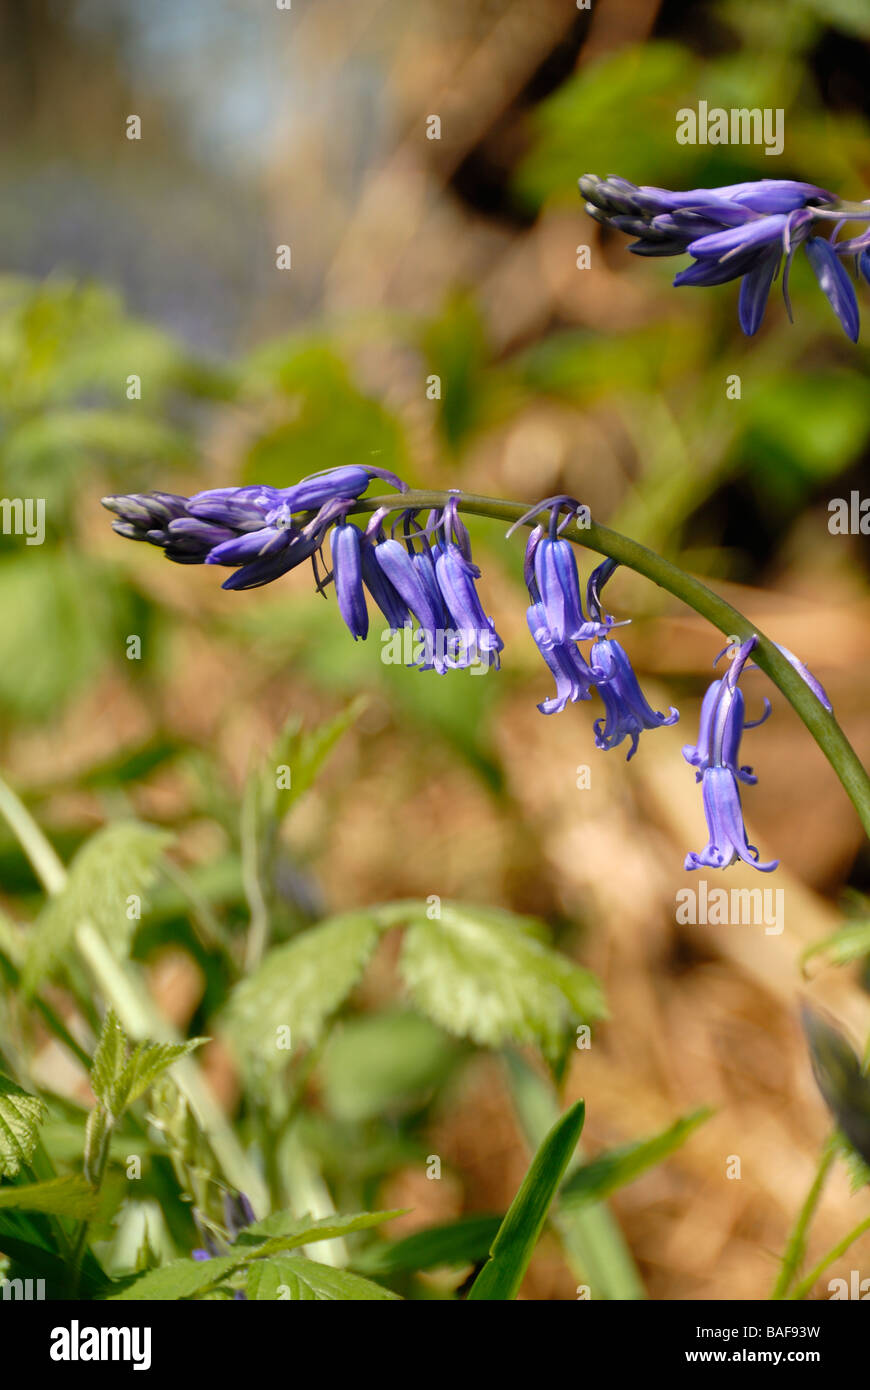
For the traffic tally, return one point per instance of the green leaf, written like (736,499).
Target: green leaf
(21,1114)
(298,986)
(304,752)
(601,1176)
(518,1234)
(593,1244)
(842,947)
(66,1196)
(109,1058)
(293,1231)
(457,1243)
(485,975)
(296,1279)
(189,1278)
(178,1279)
(115,865)
(118,1078)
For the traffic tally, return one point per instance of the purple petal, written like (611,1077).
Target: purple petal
(345,544)
(755,290)
(835,284)
(241,549)
(761,232)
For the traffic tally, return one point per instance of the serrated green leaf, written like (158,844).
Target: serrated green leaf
(71,1195)
(147,1062)
(109,1058)
(21,1114)
(518,1234)
(294,1231)
(484,976)
(119,1077)
(602,1175)
(297,987)
(116,863)
(296,1279)
(178,1279)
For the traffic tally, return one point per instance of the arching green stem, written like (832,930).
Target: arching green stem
(821,724)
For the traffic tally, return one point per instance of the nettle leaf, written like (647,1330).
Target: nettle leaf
(297,987)
(109,1058)
(119,1077)
(518,1234)
(258,1247)
(21,1114)
(485,975)
(116,865)
(296,1279)
(179,1279)
(67,1196)
(600,1176)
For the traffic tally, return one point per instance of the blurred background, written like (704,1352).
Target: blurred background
(454,257)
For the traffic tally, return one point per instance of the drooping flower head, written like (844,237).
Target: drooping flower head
(716,759)
(627,710)
(741,231)
(555,615)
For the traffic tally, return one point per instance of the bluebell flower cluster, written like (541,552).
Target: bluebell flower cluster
(557,622)
(742,231)
(421,576)
(424,581)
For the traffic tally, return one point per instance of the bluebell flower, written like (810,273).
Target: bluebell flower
(740,231)
(346,545)
(724,815)
(572,673)
(627,711)
(558,584)
(723,721)
(716,759)
(457,579)
(475,640)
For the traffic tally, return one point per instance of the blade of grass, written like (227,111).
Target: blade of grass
(594,1246)
(518,1234)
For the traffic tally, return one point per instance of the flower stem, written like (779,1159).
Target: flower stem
(820,722)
